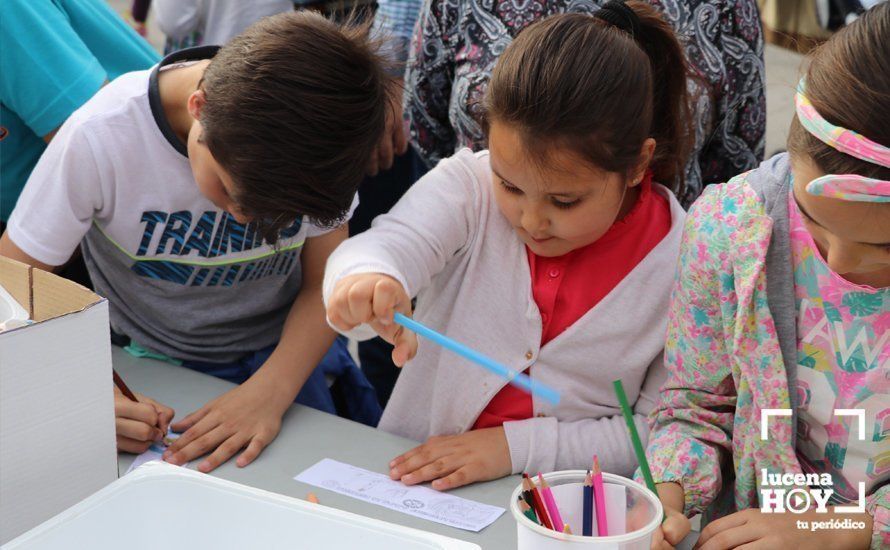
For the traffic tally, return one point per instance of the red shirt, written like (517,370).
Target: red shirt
(568,286)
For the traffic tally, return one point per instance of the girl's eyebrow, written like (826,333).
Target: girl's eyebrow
(804,212)
(567,195)
(815,221)
(496,173)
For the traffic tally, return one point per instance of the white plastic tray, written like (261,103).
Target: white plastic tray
(162,506)
(12,314)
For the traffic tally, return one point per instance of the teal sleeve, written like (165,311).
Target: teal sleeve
(46,71)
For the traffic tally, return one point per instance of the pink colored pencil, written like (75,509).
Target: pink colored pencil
(599,496)
(552,510)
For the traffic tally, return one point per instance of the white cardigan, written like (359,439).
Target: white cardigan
(449,245)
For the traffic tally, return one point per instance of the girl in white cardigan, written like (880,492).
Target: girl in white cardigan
(553,253)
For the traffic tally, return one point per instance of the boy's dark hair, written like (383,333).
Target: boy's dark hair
(848,82)
(295,105)
(578,81)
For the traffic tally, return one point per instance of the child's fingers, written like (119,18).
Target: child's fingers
(404,340)
(462,476)
(141,412)
(424,455)
(128,445)
(137,431)
(164,421)
(717,526)
(223,452)
(405,349)
(366,298)
(436,469)
(199,447)
(165,413)
(657,539)
(659,542)
(730,538)
(408,454)
(359,302)
(402,457)
(186,423)
(675,528)
(386,297)
(198,429)
(253,450)
(338,311)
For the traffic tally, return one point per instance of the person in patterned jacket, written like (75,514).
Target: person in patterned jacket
(457,43)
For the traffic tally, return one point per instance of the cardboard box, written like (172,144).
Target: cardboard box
(57,441)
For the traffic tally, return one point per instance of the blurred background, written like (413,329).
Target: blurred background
(791,28)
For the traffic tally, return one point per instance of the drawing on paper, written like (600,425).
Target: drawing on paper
(155,451)
(416,500)
(453,507)
(413,503)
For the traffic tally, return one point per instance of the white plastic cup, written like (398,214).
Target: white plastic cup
(643,503)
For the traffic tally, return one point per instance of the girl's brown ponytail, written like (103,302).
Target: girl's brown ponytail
(671,116)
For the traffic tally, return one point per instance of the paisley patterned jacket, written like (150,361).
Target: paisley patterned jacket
(457,43)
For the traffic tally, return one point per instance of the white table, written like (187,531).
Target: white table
(306,437)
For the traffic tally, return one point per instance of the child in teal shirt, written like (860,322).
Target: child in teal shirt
(55,55)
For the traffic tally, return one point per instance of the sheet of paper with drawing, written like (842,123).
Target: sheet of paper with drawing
(155,452)
(415,500)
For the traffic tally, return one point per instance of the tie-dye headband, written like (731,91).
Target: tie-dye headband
(849,187)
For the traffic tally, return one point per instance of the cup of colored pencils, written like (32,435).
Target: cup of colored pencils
(591,509)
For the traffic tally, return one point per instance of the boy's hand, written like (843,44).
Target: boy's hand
(455,460)
(373,298)
(755,530)
(676,525)
(138,425)
(393,141)
(249,415)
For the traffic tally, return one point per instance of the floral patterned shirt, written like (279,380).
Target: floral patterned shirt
(457,43)
(725,363)
(843,332)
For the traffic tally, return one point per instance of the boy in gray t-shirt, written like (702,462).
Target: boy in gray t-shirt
(207,194)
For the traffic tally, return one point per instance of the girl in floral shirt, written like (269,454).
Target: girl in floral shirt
(783,302)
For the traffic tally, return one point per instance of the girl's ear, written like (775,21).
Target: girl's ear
(196,103)
(647,151)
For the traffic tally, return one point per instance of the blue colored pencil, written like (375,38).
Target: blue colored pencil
(518,379)
(587,518)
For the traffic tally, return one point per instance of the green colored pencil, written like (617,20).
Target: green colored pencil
(634,436)
(528,511)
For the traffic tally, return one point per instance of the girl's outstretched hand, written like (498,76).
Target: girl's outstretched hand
(453,460)
(373,299)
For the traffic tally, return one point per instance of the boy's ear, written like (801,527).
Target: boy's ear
(196,103)
(647,152)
